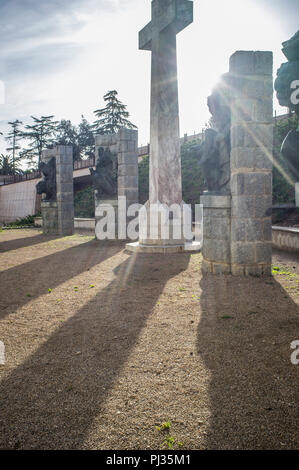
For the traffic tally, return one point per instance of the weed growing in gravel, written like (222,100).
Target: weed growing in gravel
(169,441)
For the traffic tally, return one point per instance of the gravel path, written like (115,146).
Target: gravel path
(103,346)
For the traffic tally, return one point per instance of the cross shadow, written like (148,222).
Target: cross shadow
(51,400)
(244,339)
(32,279)
(23,242)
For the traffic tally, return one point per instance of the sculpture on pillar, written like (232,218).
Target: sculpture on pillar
(214,151)
(287,90)
(48,184)
(104,177)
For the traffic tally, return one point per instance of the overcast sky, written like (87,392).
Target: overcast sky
(61,56)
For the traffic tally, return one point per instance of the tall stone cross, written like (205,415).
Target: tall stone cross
(169,17)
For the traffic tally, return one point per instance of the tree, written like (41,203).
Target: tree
(12,138)
(41,136)
(86,138)
(67,134)
(113,117)
(283,187)
(7,165)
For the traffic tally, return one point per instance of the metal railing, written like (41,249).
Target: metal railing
(11,179)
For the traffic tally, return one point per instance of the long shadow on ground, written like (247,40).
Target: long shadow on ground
(244,339)
(50,401)
(32,279)
(17,243)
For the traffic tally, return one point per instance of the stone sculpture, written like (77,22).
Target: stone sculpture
(214,151)
(48,184)
(104,177)
(286,86)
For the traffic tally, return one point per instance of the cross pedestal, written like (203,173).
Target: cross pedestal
(169,17)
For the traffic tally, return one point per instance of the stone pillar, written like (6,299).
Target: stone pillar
(50,217)
(58,216)
(251,162)
(65,189)
(216,233)
(128,165)
(297,194)
(125,145)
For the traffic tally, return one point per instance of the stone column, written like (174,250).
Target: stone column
(58,215)
(125,145)
(297,194)
(65,189)
(251,162)
(216,233)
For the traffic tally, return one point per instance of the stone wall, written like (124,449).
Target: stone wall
(286,238)
(58,216)
(18,200)
(240,241)
(251,162)
(125,144)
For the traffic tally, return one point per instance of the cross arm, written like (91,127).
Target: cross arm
(177,14)
(145,38)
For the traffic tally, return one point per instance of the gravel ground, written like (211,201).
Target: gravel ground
(103,346)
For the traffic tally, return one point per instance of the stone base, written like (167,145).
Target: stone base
(158,228)
(50,218)
(216,233)
(192,247)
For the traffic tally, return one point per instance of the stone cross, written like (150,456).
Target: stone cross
(169,17)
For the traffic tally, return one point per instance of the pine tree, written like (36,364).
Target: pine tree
(113,117)
(86,138)
(67,134)
(41,136)
(13,137)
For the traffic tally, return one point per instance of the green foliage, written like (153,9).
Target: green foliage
(283,188)
(192,179)
(84,203)
(86,138)
(25,222)
(113,117)
(40,135)
(13,137)
(66,134)
(168,440)
(8,166)
(143,179)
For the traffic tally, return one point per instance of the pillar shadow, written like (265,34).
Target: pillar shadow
(50,401)
(24,242)
(244,339)
(22,283)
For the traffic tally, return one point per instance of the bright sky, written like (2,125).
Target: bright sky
(60,56)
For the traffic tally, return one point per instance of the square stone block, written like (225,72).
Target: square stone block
(264,252)
(243,207)
(263,207)
(216,250)
(254,230)
(242,253)
(128,170)
(128,182)
(238,230)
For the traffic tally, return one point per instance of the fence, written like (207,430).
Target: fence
(11,179)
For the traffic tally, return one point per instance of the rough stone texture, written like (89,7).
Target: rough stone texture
(125,144)
(251,162)
(216,233)
(297,194)
(286,238)
(169,17)
(58,217)
(65,190)
(50,218)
